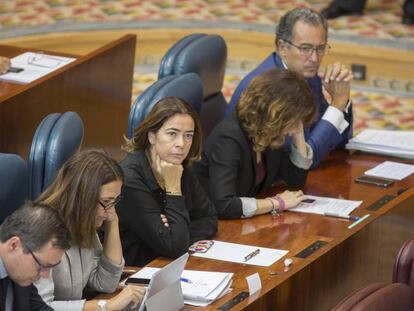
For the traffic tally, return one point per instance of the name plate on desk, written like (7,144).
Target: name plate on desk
(311,249)
(381,202)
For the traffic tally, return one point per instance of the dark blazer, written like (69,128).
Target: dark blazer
(191,217)
(322,136)
(227,170)
(27,298)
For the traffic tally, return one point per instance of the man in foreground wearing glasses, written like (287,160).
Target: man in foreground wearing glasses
(32,241)
(301,43)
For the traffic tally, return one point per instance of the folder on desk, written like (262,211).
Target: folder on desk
(35,66)
(238,253)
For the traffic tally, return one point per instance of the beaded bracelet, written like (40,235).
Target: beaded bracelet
(273,210)
(282,205)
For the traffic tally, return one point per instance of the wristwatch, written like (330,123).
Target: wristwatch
(102,304)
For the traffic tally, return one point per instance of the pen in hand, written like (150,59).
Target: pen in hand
(251,255)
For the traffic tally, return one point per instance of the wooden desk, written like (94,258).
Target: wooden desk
(351,259)
(97,86)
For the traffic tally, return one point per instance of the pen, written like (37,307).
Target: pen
(349,217)
(186,280)
(252,254)
(358,221)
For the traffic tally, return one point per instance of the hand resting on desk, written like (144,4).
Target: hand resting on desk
(4,64)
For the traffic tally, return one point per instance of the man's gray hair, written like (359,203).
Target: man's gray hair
(284,31)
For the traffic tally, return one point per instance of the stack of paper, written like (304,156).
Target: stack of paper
(200,288)
(393,143)
(323,205)
(35,66)
(205,286)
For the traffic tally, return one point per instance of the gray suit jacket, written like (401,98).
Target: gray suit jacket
(79,268)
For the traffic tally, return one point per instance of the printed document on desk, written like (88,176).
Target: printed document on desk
(324,205)
(201,288)
(35,66)
(238,252)
(390,169)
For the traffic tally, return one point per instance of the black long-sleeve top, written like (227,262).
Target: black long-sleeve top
(144,237)
(227,170)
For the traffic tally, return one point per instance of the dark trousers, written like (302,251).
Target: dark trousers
(357,6)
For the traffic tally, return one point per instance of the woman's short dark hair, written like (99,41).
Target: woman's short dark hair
(75,192)
(36,225)
(163,110)
(274,101)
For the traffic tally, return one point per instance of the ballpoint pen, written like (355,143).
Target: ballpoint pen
(251,255)
(185,280)
(348,217)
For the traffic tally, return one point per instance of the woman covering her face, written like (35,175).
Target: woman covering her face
(163,208)
(85,192)
(245,155)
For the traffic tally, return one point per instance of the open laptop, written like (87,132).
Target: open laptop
(164,290)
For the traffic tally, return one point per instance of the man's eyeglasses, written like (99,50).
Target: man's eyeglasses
(110,203)
(41,267)
(307,49)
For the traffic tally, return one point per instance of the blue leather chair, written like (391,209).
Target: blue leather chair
(205,55)
(14,183)
(187,86)
(57,137)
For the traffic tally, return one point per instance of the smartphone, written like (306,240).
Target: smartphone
(308,201)
(15,69)
(377,181)
(137,281)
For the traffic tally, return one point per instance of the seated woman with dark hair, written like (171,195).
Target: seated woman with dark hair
(163,207)
(85,192)
(245,155)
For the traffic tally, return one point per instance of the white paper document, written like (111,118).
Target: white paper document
(238,253)
(393,170)
(393,143)
(200,288)
(35,66)
(324,205)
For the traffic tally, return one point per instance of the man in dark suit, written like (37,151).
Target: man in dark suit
(350,7)
(301,44)
(32,241)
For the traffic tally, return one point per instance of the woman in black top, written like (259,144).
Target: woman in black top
(245,155)
(163,207)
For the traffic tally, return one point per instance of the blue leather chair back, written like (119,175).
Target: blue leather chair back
(13,183)
(187,86)
(57,137)
(205,55)
(169,60)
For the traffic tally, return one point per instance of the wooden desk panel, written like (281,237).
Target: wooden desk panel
(97,86)
(351,259)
